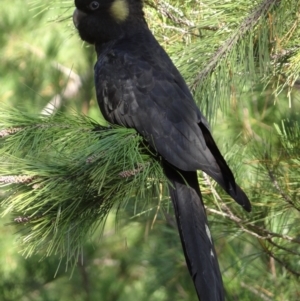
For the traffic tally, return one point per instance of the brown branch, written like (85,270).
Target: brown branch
(255,292)
(237,220)
(281,192)
(285,265)
(256,231)
(165,9)
(283,248)
(229,213)
(248,23)
(247,227)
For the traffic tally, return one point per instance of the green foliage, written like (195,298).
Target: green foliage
(280,167)
(64,174)
(225,49)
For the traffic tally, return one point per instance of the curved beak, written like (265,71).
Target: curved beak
(77,17)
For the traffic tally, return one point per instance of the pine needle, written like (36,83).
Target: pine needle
(62,175)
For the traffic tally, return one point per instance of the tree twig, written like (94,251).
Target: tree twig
(281,192)
(247,227)
(167,10)
(256,292)
(248,23)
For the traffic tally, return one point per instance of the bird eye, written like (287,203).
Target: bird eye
(94,5)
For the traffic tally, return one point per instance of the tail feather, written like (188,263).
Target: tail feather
(224,176)
(195,236)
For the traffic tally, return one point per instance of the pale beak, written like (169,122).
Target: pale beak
(77,16)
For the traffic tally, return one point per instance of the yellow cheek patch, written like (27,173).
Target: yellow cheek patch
(120,10)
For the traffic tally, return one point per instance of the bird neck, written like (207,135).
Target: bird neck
(129,33)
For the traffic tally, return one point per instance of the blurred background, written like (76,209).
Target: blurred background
(252,101)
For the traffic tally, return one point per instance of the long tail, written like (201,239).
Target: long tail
(223,175)
(195,236)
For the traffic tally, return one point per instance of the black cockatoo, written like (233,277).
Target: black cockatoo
(138,86)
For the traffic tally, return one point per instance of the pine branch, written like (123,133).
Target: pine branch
(171,12)
(62,175)
(281,262)
(256,292)
(280,191)
(248,23)
(256,231)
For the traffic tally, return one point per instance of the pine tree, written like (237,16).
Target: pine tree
(62,173)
